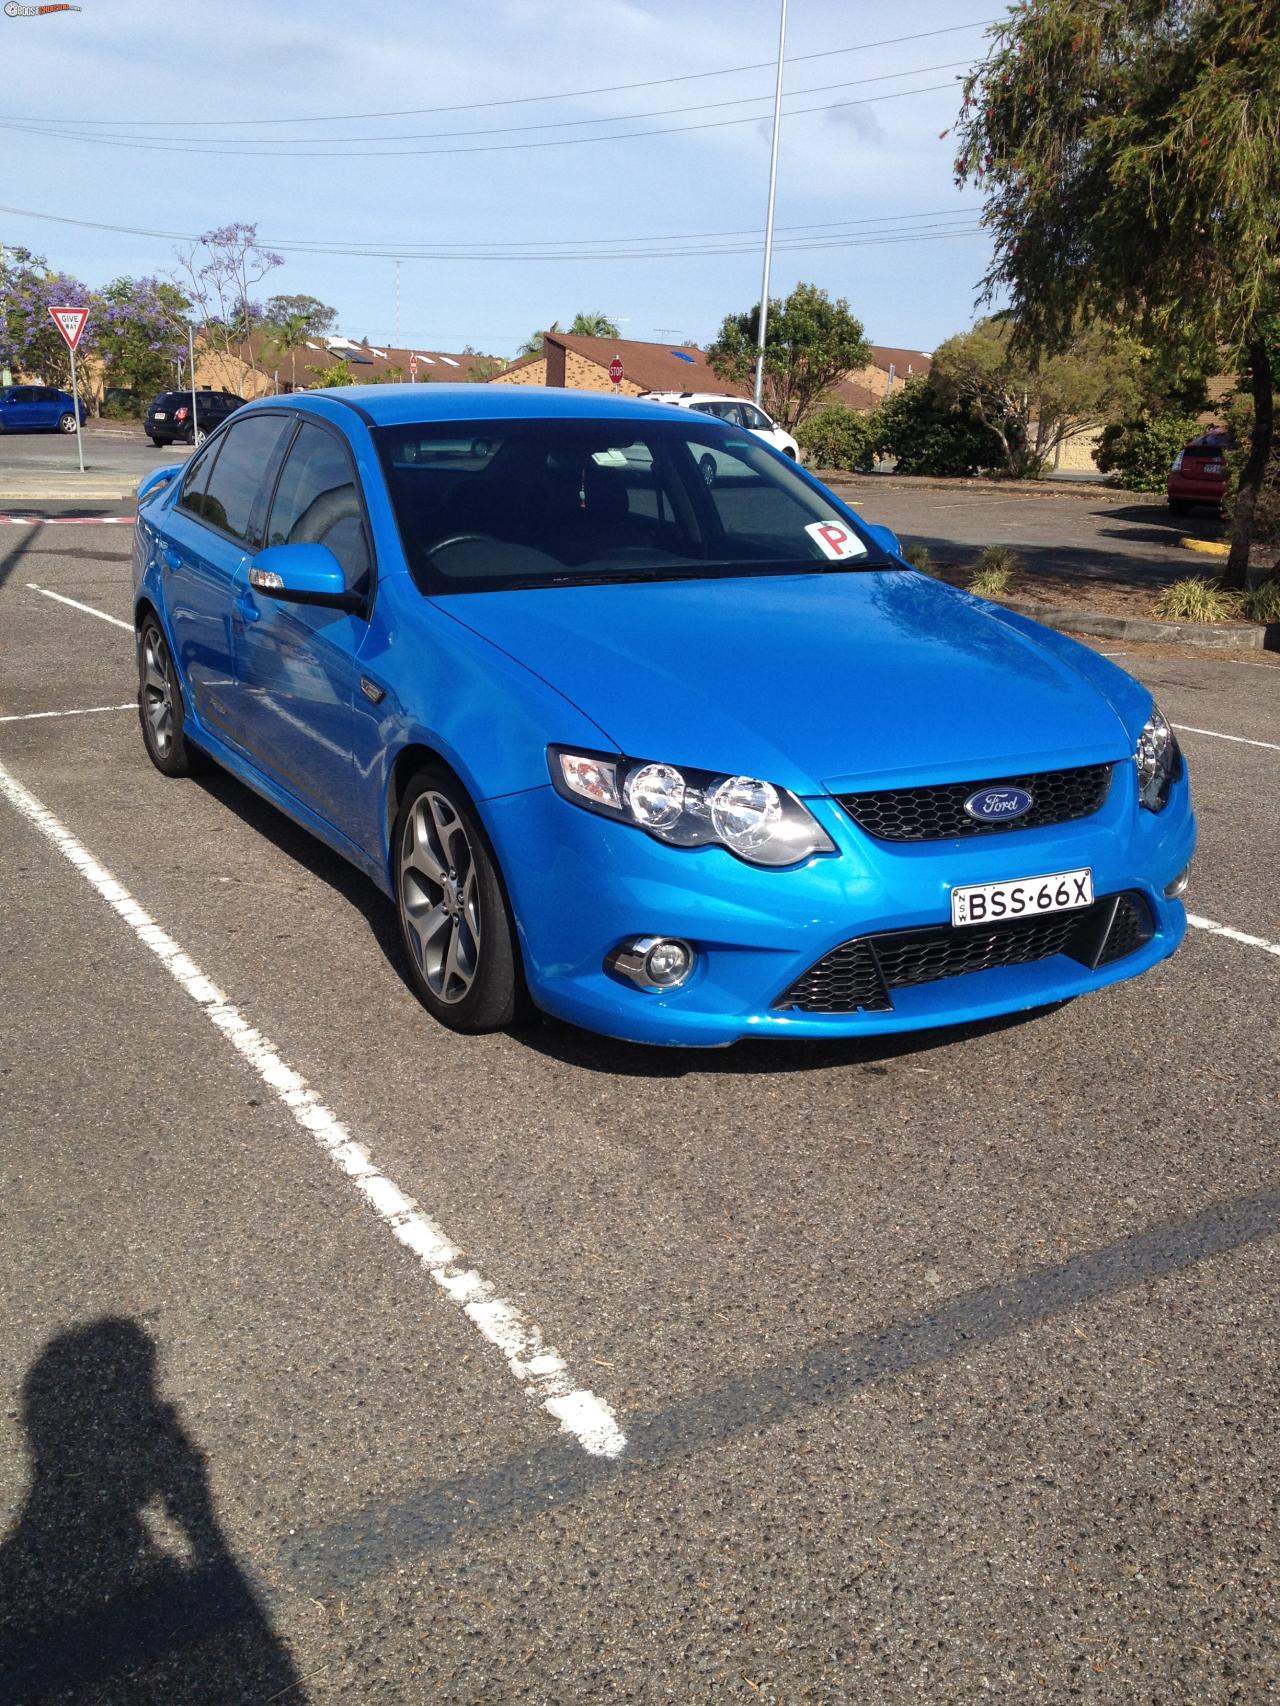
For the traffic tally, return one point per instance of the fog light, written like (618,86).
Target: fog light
(1178,887)
(652,962)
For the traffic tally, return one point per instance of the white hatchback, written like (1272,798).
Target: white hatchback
(735,411)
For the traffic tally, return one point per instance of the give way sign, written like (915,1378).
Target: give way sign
(70,322)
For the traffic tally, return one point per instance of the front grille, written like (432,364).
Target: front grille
(858,976)
(935,813)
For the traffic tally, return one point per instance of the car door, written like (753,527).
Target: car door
(210,530)
(296,663)
(20,415)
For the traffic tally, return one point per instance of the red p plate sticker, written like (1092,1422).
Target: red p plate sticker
(835,540)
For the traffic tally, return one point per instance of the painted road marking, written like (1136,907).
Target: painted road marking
(66,521)
(76,605)
(1186,729)
(1233,935)
(540,1369)
(86,711)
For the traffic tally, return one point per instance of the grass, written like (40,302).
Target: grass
(1195,598)
(1262,602)
(994,570)
(920,557)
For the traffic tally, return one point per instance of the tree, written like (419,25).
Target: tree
(338,374)
(286,336)
(838,437)
(594,325)
(1032,402)
(217,272)
(532,345)
(811,343)
(141,332)
(1129,159)
(926,434)
(28,337)
(315,316)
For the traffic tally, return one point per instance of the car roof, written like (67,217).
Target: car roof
(401,405)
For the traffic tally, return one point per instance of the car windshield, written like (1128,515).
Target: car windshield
(491,505)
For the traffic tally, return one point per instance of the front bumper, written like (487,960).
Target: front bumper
(581,884)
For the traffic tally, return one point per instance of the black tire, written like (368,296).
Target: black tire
(198,437)
(1179,506)
(159,442)
(164,737)
(486,991)
(66,422)
(707,468)
(788,452)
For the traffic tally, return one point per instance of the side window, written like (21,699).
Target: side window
(755,418)
(47,394)
(196,478)
(318,503)
(726,412)
(241,474)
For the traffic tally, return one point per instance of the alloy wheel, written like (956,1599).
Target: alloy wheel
(157,690)
(440,897)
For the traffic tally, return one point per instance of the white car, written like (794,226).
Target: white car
(736,411)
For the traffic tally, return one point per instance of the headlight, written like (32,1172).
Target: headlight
(1159,762)
(762,824)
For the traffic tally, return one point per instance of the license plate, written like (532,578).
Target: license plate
(1024,897)
(160,415)
(1213,467)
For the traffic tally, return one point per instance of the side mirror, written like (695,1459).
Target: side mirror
(151,483)
(303,574)
(884,537)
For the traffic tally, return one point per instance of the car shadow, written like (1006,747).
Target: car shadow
(116,1582)
(590,1052)
(313,855)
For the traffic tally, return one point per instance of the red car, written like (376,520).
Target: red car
(1199,473)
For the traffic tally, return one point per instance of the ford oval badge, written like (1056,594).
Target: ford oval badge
(998,805)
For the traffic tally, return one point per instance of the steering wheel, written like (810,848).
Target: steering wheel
(463,539)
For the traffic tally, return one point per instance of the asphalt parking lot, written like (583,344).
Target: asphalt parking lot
(947,1371)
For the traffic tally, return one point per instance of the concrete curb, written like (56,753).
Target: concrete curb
(102,490)
(838,478)
(1208,547)
(1204,636)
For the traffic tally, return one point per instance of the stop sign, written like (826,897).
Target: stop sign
(615,370)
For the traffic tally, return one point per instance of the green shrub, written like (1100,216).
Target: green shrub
(1195,598)
(994,570)
(920,557)
(1262,602)
(838,437)
(1139,453)
(927,436)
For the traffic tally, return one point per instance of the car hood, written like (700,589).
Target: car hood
(815,682)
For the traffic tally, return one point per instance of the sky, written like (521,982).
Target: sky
(539,209)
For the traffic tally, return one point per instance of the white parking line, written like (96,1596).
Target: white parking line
(541,1370)
(1233,935)
(76,605)
(86,711)
(1186,729)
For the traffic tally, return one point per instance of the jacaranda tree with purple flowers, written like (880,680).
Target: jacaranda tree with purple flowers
(29,340)
(217,273)
(142,333)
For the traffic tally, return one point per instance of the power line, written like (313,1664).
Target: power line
(842,233)
(258,145)
(822,242)
(484,148)
(562,95)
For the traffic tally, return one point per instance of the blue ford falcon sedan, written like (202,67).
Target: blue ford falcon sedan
(677,759)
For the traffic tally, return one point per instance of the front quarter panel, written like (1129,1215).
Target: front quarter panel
(447,689)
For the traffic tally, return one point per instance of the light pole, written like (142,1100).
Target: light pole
(768,223)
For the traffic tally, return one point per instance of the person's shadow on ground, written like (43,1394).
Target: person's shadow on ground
(116,1585)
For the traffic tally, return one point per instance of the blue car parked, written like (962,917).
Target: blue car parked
(680,762)
(38,408)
